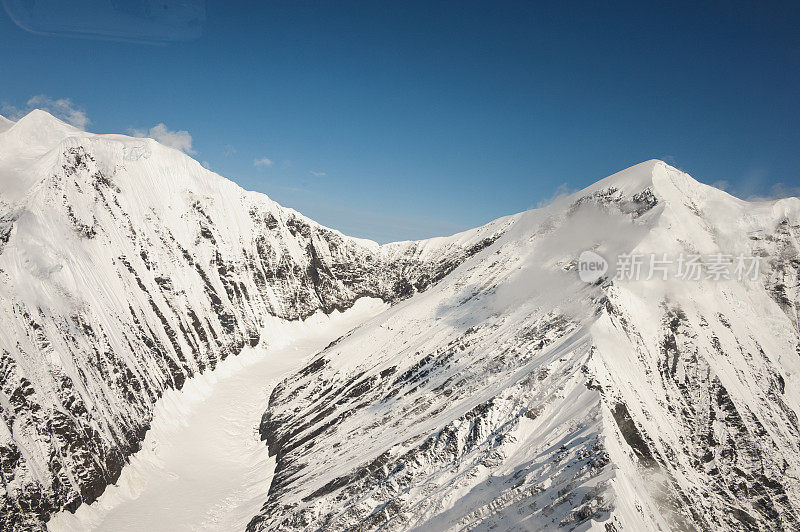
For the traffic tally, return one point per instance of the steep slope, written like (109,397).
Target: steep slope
(126,268)
(514,396)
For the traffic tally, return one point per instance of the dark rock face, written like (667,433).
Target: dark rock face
(781,260)
(735,462)
(155,294)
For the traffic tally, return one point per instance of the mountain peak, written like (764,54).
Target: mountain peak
(5,124)
(30,138)
(43,121)
(661,178)
(127,269)
(36,133)
(634,178)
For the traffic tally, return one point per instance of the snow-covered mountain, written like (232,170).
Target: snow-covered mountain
(514,396)
(126,268)
(499,390)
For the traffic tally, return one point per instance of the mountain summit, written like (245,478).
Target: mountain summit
(498,391)
(512,395)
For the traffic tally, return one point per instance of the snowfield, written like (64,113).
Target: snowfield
(148,306)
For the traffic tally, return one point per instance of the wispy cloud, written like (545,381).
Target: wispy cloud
(180,140)
(562,191)
(318,174)
(722,184)
(775,192)
(62,108)
(262,161)
(229,150)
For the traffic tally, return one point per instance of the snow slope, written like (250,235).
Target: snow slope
(514,396)
(125,269)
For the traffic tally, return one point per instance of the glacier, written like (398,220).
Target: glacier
(490,389)
(202,465)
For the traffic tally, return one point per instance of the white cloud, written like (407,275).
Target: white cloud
(722,184)
(229,150)
(180,140)
(560,193)
(10,112)
(318,174)
(262,161)
(62,108)
(776,192)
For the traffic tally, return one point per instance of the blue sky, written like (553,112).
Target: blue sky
(395,120)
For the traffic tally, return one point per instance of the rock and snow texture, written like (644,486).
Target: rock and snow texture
(125,269)
(513,396)
(498,391)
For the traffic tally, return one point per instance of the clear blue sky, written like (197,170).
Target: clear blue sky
(431,117)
